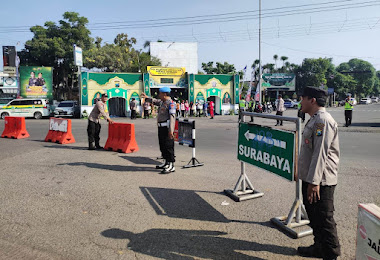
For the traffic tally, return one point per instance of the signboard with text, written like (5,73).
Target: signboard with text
(36,82)
(78,57)
(279,81)
(268,148)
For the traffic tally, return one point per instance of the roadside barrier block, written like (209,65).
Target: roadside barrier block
(60,131)
(121,138)
(15,128)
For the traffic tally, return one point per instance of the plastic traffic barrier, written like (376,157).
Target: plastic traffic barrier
(60,131)
(121,138)
(14,128)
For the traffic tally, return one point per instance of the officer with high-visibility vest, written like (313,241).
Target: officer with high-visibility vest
(242,105)
(348,107)
(251,106)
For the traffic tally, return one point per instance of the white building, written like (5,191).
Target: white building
(177,54)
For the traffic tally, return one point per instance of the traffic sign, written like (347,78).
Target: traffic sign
(268,148)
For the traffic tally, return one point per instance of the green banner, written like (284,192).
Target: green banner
(36,82)
(279,81)
(267,148)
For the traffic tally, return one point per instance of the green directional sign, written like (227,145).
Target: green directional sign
(268,148)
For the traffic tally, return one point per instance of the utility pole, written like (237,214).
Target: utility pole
(260,98)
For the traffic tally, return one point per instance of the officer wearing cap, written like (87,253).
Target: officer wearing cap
(93,128)
(318,169)
(348,107)
(166,123)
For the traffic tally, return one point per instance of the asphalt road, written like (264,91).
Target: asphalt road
(65,202)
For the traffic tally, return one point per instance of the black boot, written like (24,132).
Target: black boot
(97,145)
(310,251)
(168,169)
(91,146)
(162,166)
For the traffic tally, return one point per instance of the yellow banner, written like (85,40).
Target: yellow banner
(165,71)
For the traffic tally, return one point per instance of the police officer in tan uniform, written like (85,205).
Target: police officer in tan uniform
(318,169)
(166,123)
(93,128)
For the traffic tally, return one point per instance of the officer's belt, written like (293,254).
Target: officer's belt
(163,124)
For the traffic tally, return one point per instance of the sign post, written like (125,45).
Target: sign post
(276,151)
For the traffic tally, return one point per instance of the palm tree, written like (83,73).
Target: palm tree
(283,58)
(275,57)
(287,65)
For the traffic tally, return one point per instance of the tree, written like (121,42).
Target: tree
(220,68)
(363,73)
(275,57)
(52,46)
(284,58)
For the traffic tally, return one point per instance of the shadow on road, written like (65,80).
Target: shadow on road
(185,204)
(140,160)
(190,244)
(365,124)
(63,146)
(118,168)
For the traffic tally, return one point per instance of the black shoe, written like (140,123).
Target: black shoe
(170,168)
(98,147)
(276,125)
(91,146)
(162,166)
(310,251)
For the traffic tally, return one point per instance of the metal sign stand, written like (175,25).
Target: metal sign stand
(246,191)
(193,161)
(297,216)
(288,223)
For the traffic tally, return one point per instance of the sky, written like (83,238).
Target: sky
(297,29)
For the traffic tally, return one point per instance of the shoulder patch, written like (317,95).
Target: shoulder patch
(318,132)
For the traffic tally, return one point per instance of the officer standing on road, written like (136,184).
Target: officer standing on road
(348,107)
(318,168)
(93,128)
(242,104)
(251,105)
(166,123)
(280,109)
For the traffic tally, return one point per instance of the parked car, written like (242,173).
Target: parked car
(365,101)
(375,99)
(290,103)
(67,108)
(28,107)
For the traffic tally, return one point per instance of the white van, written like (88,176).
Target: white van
(28,107)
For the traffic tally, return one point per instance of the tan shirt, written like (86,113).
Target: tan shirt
(97,111)
(166,112)
(319,156)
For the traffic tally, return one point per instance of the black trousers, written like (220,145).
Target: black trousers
(146,113)
(279,113)
(133,114)
(166,144)
(348,116)
(198,113)
(93,131)
(321,215)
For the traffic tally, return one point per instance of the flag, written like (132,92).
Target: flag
(249,91)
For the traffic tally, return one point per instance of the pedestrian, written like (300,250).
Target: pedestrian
(300,113)
(178,109)
(93,128)
(242,105)
(205,109)
(318,168)
(183,108)
(199,108)
(211,109)
(133,108)
(348,108)
(187,108)
(280,108)
(146,106)
(166,123)
(251,105)
(193,108)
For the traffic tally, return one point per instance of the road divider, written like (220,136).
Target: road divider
(60,131)
(14,128)
(121,138)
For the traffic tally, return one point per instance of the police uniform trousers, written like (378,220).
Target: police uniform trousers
(321,216)
(93,131)
(166,144)
(348,116)
(133,114)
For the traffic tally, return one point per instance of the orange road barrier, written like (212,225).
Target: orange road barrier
(121,138)
(14,128)
(60,131)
